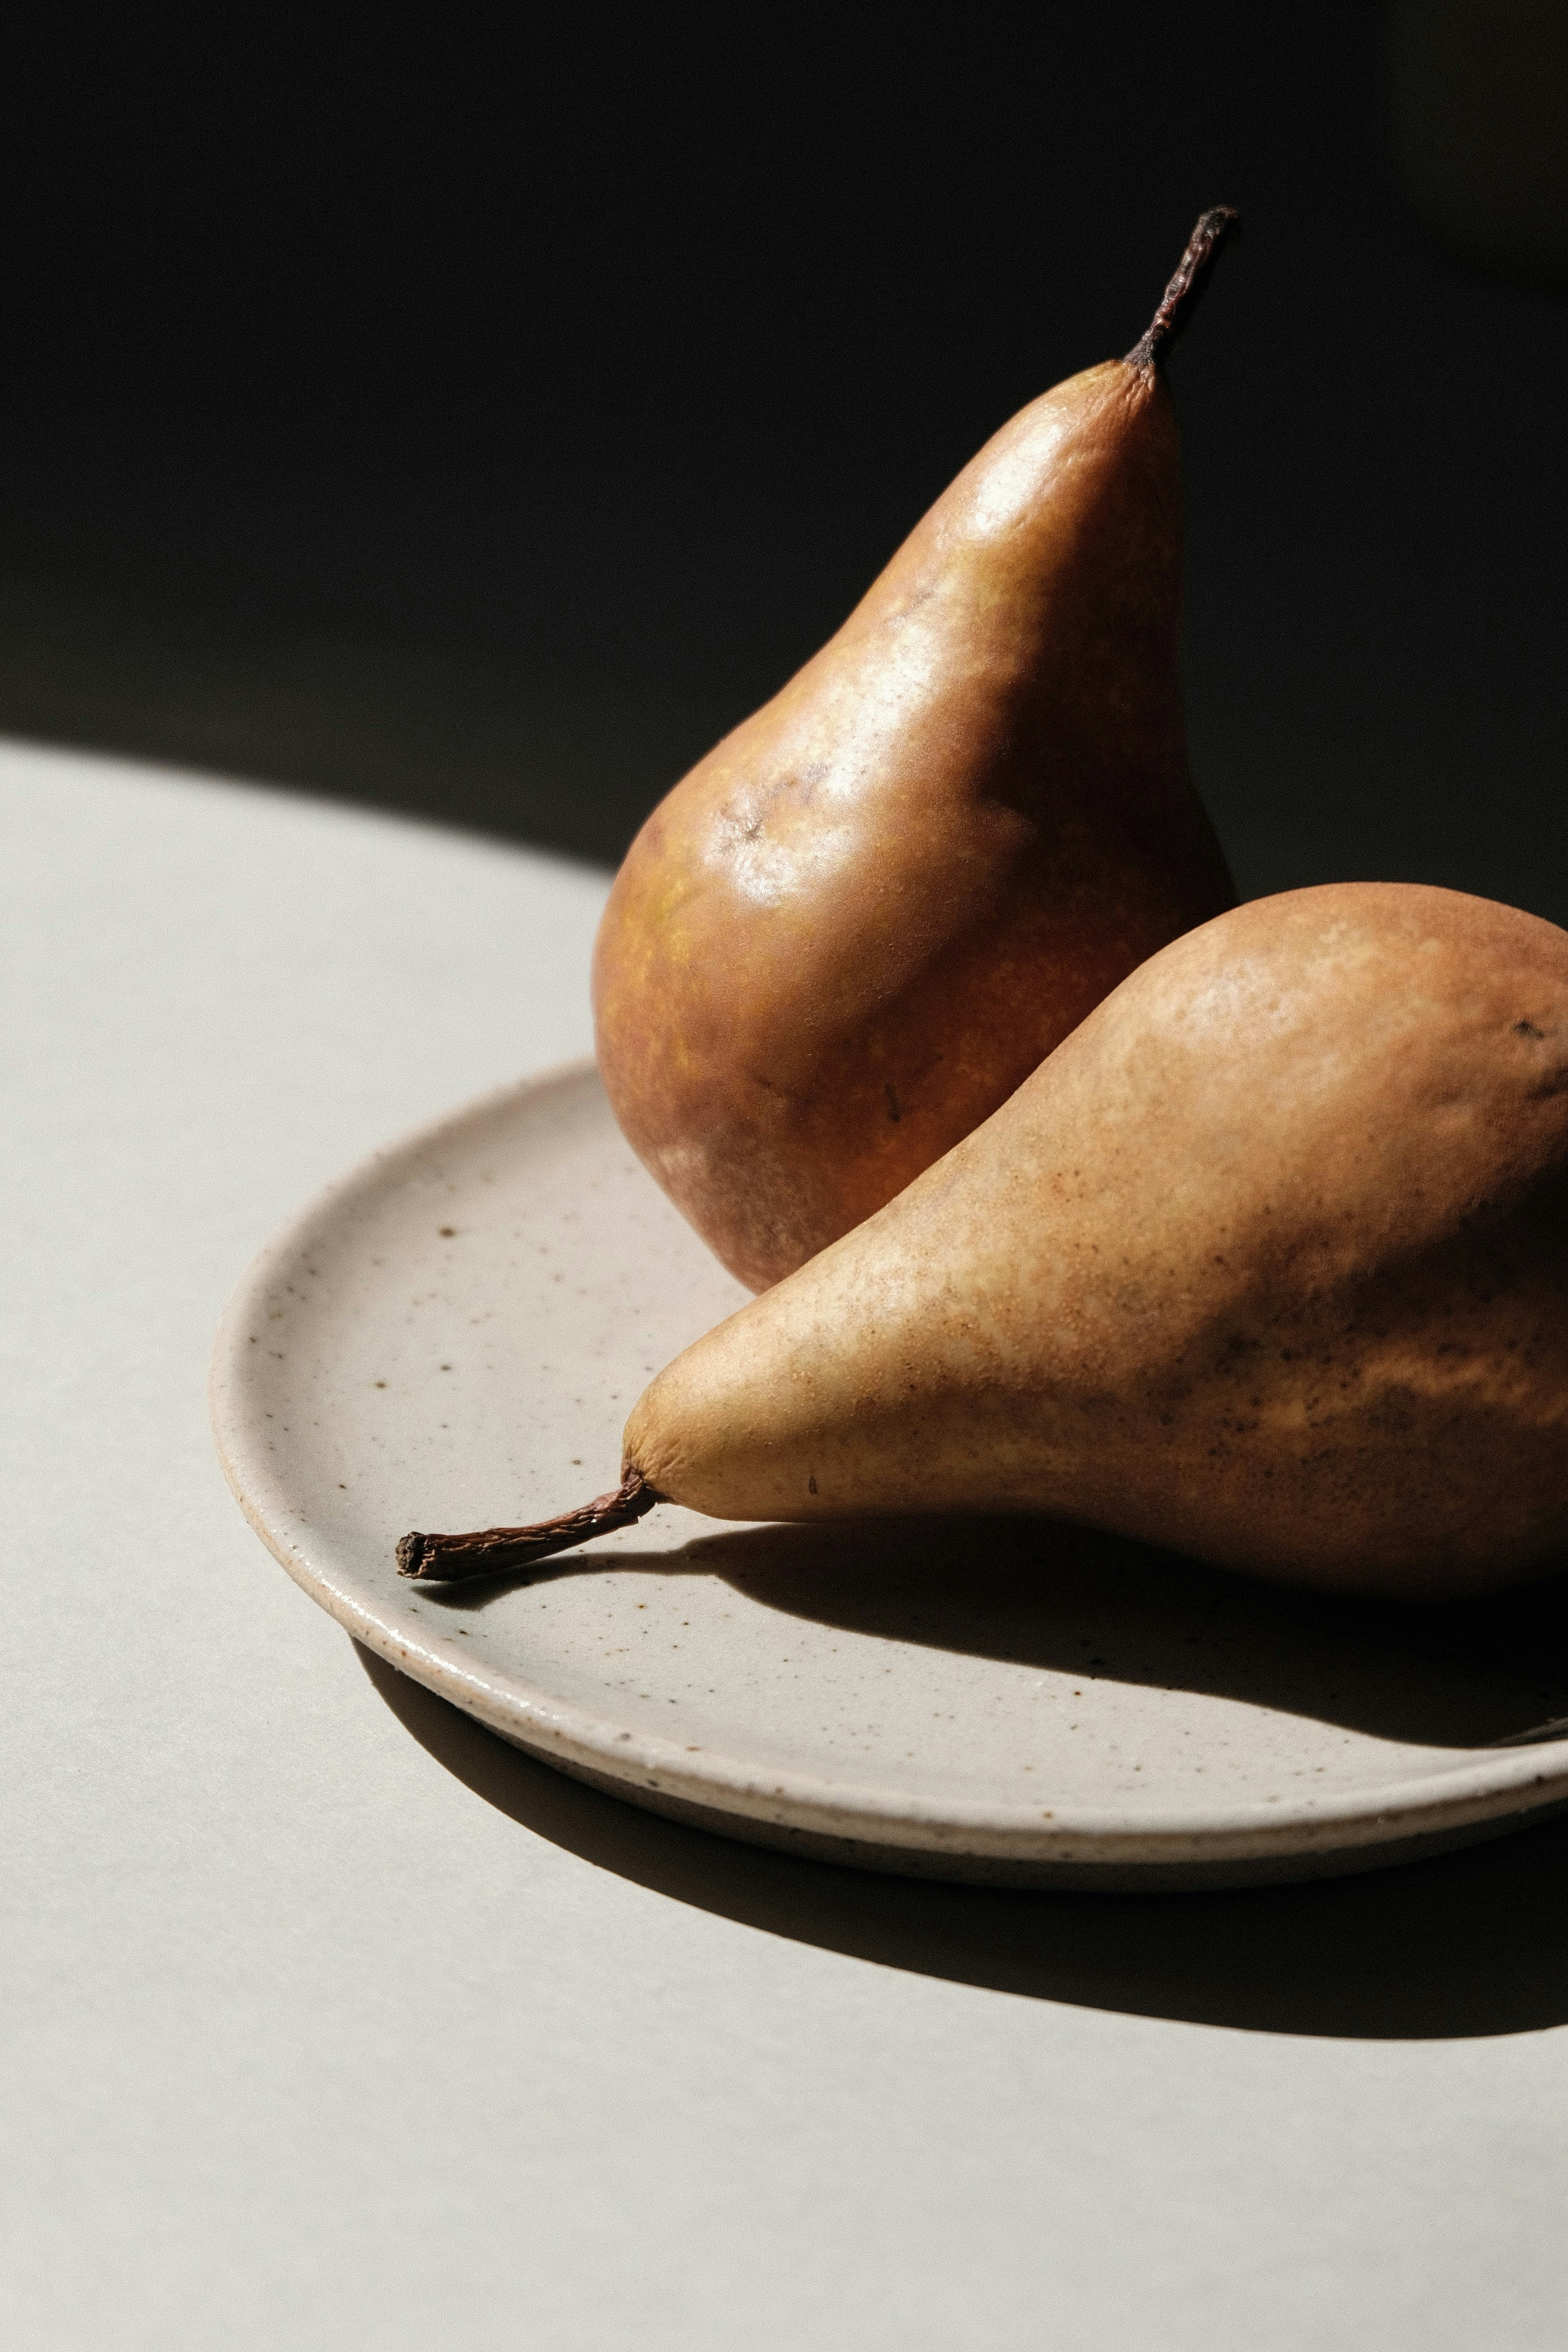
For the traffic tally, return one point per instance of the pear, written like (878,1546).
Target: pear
(861,922)
(1268,1263)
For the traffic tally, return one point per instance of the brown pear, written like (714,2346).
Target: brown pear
(857,925)
(1268,1263)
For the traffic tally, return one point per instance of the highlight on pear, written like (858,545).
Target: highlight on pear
(857,925)
(1267,1263)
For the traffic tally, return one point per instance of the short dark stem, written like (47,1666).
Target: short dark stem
(451,1558)
(1185,289)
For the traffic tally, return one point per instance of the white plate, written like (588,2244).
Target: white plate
(452,1336)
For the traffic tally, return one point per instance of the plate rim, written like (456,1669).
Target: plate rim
(1469,1797)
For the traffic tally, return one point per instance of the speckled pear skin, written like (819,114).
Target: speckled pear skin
(1268,1263)
(856,927)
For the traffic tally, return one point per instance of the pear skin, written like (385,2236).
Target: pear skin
(1268,1263)
(853,930)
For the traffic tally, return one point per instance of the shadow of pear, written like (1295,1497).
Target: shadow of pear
(1039,1593)
(1466,1944)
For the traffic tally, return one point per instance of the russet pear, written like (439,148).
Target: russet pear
(1268,1263)
(861,922)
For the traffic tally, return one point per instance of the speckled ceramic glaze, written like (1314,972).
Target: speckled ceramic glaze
(452,1336)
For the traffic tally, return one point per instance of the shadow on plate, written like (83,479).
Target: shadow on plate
(1472,1942)
(1038,1593)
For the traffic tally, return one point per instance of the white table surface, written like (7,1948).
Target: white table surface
(330,2020)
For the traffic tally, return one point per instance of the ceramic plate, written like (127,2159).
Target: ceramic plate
(452,1336)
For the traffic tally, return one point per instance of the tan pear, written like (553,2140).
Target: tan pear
(851,931)
(1268,1263)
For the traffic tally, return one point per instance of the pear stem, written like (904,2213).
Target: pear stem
(449,1558)
(1185,291)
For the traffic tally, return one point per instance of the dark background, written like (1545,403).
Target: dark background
(480,422)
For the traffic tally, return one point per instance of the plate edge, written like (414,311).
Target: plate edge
(523,1718)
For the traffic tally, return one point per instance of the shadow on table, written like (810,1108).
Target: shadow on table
(1469,1943)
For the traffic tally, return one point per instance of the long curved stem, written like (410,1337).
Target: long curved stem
(1185,291)
(449,1558)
